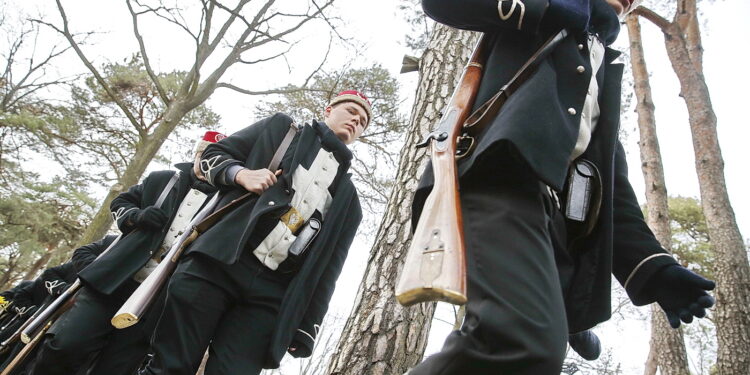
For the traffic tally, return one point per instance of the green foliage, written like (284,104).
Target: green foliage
(690,241)
(36,218)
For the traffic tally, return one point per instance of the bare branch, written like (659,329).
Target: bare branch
(263,92)
(66,33)
(655,18)
(144,54)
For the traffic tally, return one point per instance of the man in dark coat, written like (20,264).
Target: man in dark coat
(240,288)
(147,230)
(534,275)
(42,291)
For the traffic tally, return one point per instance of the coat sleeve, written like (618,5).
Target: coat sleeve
(63,273)
(223,158)
(523,15)
(86,254)
(304,338)
(125,205)
(637,255)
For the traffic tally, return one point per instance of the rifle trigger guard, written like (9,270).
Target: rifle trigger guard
(464,146)
(436,135)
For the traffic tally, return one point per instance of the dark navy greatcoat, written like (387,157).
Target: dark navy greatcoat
(308,294)
(540,123)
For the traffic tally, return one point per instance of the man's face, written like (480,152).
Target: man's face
(623,7)
(347,120)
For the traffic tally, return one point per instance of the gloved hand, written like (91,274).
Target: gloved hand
(55,287)
(148,218)
(681,293)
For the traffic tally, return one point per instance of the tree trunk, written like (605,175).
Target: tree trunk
(381,336)
(145,152)
(667,346)
(732,313)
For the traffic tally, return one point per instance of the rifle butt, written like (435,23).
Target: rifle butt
(435,264)
(50,313)
(133,309)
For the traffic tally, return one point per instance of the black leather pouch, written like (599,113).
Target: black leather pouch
(305,237)
(582,197)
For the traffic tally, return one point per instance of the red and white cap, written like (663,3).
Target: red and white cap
(208,138)
(356,97)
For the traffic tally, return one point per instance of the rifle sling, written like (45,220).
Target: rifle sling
(481,116)
(210,220)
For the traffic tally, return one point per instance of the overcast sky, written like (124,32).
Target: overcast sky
(381,28)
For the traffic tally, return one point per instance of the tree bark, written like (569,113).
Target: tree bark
(667,346)
(382,337)
(732,313)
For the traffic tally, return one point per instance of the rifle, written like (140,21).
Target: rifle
(63,302)
(435,267)
(56,308)
(18,359)
(17,334)
(134,308)
(438,239)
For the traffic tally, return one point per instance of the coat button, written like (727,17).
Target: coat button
(580,69)
(580,47)
(271,203)
(287,191)
(572,111)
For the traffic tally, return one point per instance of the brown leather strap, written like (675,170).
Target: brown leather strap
(487,111)
(210,220)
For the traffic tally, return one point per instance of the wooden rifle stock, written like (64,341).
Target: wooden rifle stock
(133,309)
(61,304)
(435,266)
(21,356)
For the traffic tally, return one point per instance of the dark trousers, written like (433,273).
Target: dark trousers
(84,336)
(515,318)
(232,308)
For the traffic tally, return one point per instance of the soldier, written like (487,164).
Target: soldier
(85,330)
(536,254)
(259,281)
(43,290)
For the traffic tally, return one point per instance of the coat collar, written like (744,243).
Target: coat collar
(332,143)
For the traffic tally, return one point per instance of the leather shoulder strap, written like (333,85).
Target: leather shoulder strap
(167,188)
(210,220)
(276,160)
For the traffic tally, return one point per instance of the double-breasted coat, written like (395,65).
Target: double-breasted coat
(308,294)
(540,123)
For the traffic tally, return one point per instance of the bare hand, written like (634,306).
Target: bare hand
(257,180)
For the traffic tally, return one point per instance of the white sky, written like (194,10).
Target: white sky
(378,24)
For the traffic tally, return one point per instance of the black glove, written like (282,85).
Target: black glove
(148,218)
(680,292)
(55,287)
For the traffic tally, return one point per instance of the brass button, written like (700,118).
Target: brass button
(580,69)
(572,111)
(271,203)
(580,47)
